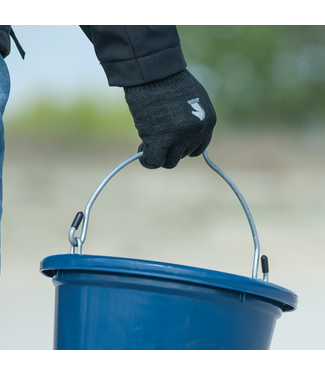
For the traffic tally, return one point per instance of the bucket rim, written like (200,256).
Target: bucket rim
(169,271)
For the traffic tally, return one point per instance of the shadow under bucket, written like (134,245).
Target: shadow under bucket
(115,303)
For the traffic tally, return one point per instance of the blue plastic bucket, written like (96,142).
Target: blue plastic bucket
(115,303)
(118,303)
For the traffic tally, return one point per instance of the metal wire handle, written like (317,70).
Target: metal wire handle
(250,219)
(78,241)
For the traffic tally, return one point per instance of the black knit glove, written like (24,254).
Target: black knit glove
(174,118)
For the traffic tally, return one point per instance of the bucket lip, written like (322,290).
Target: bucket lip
(98,263)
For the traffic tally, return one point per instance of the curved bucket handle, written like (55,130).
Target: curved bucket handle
(78,241)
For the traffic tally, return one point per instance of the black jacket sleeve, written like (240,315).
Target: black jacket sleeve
(135,55)
(5,40)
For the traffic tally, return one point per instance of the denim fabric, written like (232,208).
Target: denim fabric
(4,94)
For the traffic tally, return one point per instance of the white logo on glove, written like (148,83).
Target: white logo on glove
(199,111)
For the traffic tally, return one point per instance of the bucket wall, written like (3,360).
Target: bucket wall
(98,310)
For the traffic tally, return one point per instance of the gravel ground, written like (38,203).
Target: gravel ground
(187,215)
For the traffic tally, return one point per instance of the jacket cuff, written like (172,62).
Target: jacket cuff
(4,43)
(142,70)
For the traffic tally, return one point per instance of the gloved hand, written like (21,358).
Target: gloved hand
(174,117)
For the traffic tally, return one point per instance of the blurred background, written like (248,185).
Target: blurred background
(66,129)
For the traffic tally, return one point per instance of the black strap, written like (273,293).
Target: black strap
(21,51)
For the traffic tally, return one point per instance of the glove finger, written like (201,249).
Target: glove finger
(199,150)
(174,155)
(153,157)
(189,151)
